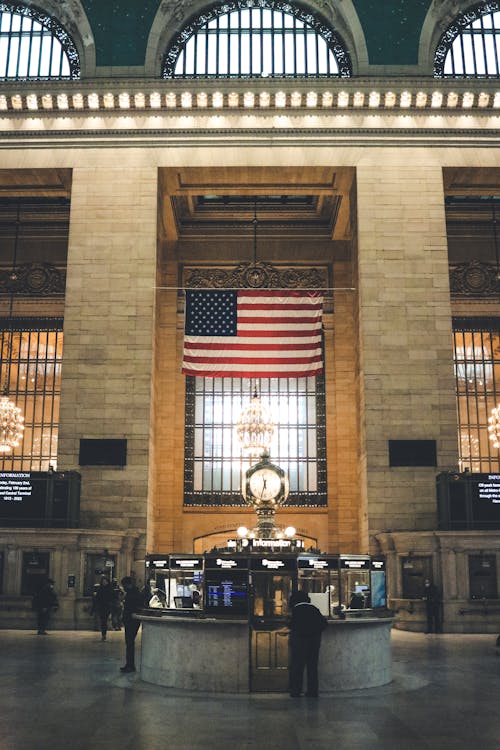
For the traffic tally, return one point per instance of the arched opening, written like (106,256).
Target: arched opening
(470,46)
(238,40)
(33,45)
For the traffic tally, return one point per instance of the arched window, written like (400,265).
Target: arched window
(34,45)
(470,47)
(241,39)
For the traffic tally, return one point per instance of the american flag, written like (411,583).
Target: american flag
(250,333)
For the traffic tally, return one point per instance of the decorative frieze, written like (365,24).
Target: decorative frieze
(256,276)
(33,280)
(474,279)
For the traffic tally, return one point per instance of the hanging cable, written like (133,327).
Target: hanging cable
(255,223)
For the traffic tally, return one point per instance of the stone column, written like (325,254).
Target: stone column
(13,562)
(108,337)
(407,385)
(448,569)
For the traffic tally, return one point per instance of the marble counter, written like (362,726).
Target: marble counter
(212,655)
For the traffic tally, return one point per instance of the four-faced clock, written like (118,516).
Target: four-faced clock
(265,484)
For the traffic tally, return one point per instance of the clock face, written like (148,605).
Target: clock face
(265,484)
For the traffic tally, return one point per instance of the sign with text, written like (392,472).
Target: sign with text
(468,500)
(39,499)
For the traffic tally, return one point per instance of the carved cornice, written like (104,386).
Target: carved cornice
(474,279)
(256,276)
(33,280)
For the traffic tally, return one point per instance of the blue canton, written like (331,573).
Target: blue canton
(211,313)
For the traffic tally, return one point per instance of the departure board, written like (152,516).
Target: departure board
(23,498)
(39,499)
(227,591)
(468,500)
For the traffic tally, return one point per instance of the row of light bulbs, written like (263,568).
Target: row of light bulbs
(263,99)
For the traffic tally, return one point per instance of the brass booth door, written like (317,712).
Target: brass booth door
(269,632)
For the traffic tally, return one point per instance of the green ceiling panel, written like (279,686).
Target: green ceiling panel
(392,29)
(121,29)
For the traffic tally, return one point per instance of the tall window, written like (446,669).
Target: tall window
(214,461)
(34,45)
(275,39)
(477,375)
(470,47)
(34,376)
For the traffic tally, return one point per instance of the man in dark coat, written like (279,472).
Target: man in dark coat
(132,603)
(44,603)
(306,625)
(433,607)
(103,603)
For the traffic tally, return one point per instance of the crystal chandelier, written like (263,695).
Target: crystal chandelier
(11,425)
(255,427)
(11,419)
(494,426)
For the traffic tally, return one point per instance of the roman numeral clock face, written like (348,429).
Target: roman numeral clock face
(264,484)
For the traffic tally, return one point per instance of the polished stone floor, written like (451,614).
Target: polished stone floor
(64,691)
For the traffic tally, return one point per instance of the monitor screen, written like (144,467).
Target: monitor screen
(183,602)
(227,591)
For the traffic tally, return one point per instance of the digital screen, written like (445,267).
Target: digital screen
(23,498)
(39,499)
(317,563)
(227,591)
(486,498)
(360,564)
(378,588)
(186,563)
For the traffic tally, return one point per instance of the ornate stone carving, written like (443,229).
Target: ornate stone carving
(33,280)
(474,279)
(256,276)
(177,8)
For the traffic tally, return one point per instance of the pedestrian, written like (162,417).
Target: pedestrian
(306,625)
(433,604)
(116,605)
(44,603)
(132,603)
(103,602)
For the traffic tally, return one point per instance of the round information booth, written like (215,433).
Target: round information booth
(218,622)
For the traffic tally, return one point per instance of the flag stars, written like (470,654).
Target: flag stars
(211,313)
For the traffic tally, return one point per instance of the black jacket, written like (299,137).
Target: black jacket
(45,599)
(307,620)
(103,598)
(133,602)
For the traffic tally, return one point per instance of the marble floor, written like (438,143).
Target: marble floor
(64,691)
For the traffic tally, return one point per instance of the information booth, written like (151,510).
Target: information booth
(233,604)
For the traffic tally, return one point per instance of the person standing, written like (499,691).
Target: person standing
(132,603)
(103,603)
(432,601)
(117,605)
(44,603)
(306,625)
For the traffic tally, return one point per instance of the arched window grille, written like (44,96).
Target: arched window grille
(240,39)
(34,45)
(470,47)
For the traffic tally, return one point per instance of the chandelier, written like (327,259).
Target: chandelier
(494,426)
(11,425)
(11,419)
(255,427)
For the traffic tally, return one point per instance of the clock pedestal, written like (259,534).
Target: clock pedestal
(266,526)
